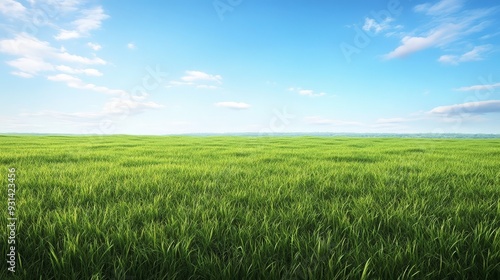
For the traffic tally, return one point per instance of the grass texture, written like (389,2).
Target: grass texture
(185,207)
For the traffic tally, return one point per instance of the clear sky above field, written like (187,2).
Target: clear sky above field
(186,66)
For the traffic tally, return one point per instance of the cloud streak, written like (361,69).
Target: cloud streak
(74,82)
(306,92)
(475,54)
(489,87)
(441,8)
(87,71)
(195,76)
(198,79)
(479,107)
(412,44)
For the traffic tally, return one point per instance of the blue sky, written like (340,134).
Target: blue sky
(185,66)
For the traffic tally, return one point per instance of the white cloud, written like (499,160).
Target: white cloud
(87,71)
(195,76)
(31,66)
(306,92)
(489,87)
(411,44)
(479,107)
(90,19)
(449,59)
(233,105)
(70,80)
(25,45)
(68,34)
(317,120)
(13,9)
(371,25)
(64,56)
(474,55)
(131,46)
(37,56)
(74,82)
(94,46)
(198,79)
(441,8)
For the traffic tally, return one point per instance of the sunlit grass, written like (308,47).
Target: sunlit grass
(127,207)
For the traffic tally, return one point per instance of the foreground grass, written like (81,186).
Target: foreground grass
(124,207)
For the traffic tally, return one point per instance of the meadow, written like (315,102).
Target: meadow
(223,207)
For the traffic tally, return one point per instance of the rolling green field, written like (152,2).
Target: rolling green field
(181,207)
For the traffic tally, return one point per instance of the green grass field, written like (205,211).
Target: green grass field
(179,207)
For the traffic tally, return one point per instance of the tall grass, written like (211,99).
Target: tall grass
(125,207)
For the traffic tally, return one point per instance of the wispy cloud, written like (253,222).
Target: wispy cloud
(317,120)
(12,9)
(29,66)
(198,79)
(306,92)
(131,46)
(410,44)
(489,87)
(233,105)
(489,36)
(89,20)
(449,23)
(28,46)
(195,76)
(74,82)
(94,46)
(480,107)
(443,7)
(477,53)
(371,25)
(86,71)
